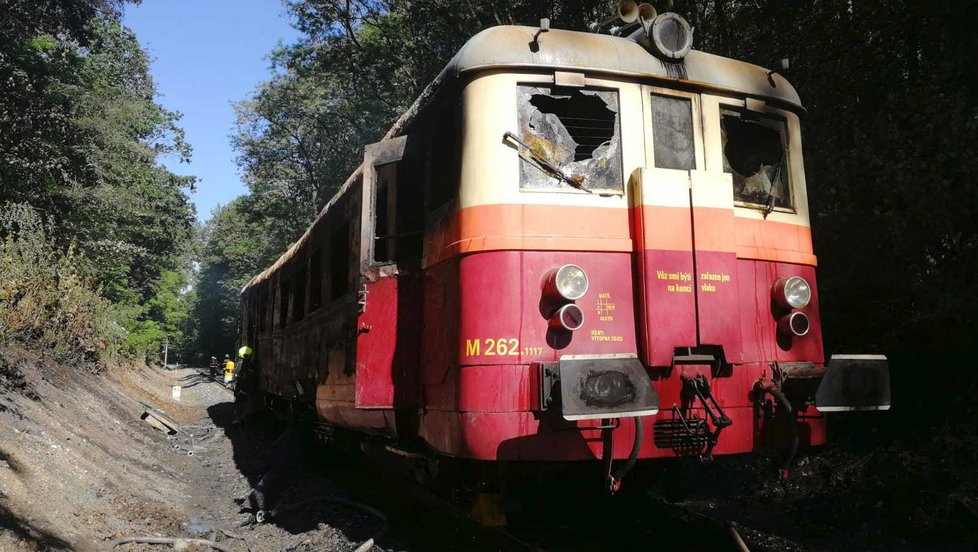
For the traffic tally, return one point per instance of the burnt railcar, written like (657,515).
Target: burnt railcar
(569,237)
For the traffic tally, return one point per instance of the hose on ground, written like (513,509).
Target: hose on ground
(788,411)
(365,545)
(175,542)
(738,541)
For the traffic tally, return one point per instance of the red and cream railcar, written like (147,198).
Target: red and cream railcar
(570,237)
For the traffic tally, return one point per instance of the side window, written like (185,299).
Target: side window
(315,280)
(673,140)
(394,218)
(263,308)
(339,261)
(385,201)
(299,295)
(755,154)
(575,131)
(283,302)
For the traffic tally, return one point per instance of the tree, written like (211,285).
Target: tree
(81,137)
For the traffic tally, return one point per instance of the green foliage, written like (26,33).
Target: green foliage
(46,298)
(233,251)
(81,138)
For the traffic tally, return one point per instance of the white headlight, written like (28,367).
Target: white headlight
(793,292)
(570,282)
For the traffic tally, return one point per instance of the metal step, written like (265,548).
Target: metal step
(693,359)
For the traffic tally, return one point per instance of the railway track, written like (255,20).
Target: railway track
(552,516)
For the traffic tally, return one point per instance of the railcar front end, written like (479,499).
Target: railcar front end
(575,247)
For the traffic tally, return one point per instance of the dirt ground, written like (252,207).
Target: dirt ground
(79,469)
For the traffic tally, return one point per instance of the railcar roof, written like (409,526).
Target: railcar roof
(509,47)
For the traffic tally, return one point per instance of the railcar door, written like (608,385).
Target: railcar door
(388,329)
(684,235)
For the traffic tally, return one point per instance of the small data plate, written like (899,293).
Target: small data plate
(854,382)
(605,386)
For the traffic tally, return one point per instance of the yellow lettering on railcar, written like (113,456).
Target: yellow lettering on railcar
(605,307)
(713,277)
(675,276)
(600,336)
(502,346)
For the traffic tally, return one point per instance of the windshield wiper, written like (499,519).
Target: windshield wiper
(771,196)
(576,182)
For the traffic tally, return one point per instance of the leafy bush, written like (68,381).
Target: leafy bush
(46,297)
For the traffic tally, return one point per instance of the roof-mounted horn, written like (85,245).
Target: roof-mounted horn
(627,13)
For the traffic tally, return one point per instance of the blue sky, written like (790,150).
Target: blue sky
(208,54)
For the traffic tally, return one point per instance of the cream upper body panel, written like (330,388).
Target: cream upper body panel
(491,164)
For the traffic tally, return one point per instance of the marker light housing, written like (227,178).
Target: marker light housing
(796,324)
(568,282)
(792,293)
(569,318)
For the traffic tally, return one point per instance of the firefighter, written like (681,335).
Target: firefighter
(228,369)
(244,357)
(247,399)
(213,367)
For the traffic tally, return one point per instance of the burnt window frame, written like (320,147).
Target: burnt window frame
(340,260)
(284,296)
(300,290)
(564,188)
(263,308)
(403,152)
(760,113)
(316,276)
(699,133)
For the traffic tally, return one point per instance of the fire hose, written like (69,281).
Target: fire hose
(787,410)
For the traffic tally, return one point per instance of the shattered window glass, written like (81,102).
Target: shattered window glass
(672,133)
(576,131)
(754,154)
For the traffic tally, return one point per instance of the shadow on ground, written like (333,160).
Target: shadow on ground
(28,533)
(304,472)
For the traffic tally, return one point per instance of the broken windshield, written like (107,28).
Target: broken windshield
(576,131)
(754,154)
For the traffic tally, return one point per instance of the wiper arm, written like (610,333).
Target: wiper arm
(545,165)
(771,196)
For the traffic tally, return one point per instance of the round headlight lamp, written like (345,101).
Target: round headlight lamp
(569,282)
(792,293)
(671,36)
